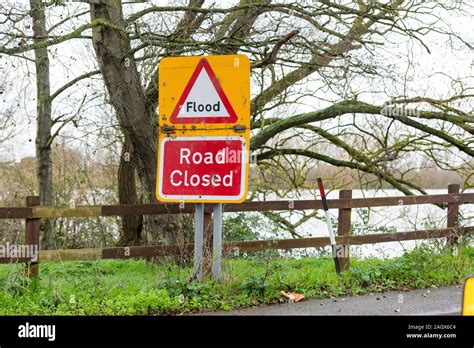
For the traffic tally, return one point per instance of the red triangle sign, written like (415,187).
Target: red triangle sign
(203,100)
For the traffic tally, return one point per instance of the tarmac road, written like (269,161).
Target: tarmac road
(439,301)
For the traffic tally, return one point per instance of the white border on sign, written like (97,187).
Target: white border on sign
(204,197)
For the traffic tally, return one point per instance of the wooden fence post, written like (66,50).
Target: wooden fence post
(344,229)
(32,237)
(453,215)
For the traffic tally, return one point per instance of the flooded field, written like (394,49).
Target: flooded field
(378,220)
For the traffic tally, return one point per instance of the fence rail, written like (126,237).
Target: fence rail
(246,246)
(287,205)
(33,214)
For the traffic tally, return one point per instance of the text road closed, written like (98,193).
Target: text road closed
(200,167)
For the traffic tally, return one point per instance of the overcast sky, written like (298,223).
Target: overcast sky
(428,76)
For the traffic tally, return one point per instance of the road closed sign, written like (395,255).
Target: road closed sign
(204,129)
(203,169)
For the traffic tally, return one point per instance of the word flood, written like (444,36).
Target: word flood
(194,107)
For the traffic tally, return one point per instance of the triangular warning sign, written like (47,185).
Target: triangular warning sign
(203,100)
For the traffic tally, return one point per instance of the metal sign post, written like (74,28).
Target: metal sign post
(217,242)
(198,239)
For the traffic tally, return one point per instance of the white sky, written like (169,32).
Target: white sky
(429,77)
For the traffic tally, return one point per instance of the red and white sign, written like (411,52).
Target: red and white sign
(202,168)
(203,99)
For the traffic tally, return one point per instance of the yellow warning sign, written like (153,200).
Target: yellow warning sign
(202,95)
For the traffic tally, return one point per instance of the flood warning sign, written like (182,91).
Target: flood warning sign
(203,99)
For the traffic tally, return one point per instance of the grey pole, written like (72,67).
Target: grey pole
(217,242)
(198,239)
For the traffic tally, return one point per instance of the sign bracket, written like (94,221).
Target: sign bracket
(167,129)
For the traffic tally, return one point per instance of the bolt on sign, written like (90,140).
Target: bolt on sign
(204,129)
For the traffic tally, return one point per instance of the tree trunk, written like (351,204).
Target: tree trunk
(127,189)
(44,164)
(137,120)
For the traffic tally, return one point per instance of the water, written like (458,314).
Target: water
(374,220)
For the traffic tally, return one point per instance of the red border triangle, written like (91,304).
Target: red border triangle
(232,118)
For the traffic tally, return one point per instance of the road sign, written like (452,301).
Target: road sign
(204,129)
(205,94)
(203,169)
(204,139)
(203,99)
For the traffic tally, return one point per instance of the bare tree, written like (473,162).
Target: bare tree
(198,31)
(132,226)
(327,56)
(44,123)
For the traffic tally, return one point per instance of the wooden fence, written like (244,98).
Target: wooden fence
(32,214)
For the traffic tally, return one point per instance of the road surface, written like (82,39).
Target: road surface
(440,301)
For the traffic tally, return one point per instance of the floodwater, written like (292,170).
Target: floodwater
(376,220)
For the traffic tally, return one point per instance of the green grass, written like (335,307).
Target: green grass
(135,287)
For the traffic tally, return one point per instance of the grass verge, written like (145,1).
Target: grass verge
(135,287)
